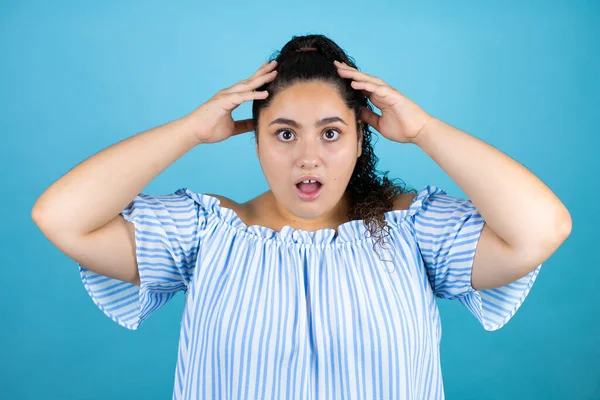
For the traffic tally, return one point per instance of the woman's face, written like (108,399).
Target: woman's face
(308,130)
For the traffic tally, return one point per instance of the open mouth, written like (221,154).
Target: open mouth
(309,190)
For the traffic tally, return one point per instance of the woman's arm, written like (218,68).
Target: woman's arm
(525,221)
(95,191)
(80,213)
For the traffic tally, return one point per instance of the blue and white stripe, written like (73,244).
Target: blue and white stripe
(301,314)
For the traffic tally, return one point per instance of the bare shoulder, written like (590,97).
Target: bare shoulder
(242,210)
(403,201)
(225,201)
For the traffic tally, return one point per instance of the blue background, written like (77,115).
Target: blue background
(76,77)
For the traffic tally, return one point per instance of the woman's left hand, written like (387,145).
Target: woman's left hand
(402,120)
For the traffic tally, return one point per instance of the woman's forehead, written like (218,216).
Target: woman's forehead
(307,101)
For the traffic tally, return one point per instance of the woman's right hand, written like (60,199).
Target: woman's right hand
(212,121)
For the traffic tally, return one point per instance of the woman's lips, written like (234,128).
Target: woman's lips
(309,196)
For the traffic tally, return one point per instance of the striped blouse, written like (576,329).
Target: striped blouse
(301,314)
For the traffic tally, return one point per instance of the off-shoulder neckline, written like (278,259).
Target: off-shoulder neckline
(347,233)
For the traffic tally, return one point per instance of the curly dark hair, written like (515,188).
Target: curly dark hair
(368,195)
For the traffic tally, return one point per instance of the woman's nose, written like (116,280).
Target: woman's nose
(309,156)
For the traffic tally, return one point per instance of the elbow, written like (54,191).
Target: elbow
(37,211)
(557,233)
(565,225)
(539,247)
(36,214)
(39,215)
(41,218)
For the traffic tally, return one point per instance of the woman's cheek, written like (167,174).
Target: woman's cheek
(341,155)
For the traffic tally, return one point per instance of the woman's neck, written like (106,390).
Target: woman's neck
(267,211)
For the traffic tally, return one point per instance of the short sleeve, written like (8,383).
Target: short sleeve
(167,238)
(447,230)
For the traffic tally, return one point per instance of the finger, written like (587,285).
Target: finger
(359,76)
(243,126)
(258,81)
(233,100)
(346,66)
(379,90)
(265,68)
(254,83)
(259,70)
(343,65)
(369,117)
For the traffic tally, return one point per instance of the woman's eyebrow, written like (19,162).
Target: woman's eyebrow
(291,122)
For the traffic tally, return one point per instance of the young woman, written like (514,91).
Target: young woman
(324,286)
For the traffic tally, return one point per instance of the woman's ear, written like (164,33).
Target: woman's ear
(360,138)
(255,140)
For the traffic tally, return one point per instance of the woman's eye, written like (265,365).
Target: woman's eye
(329,135)
(329,138)
(289,133)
